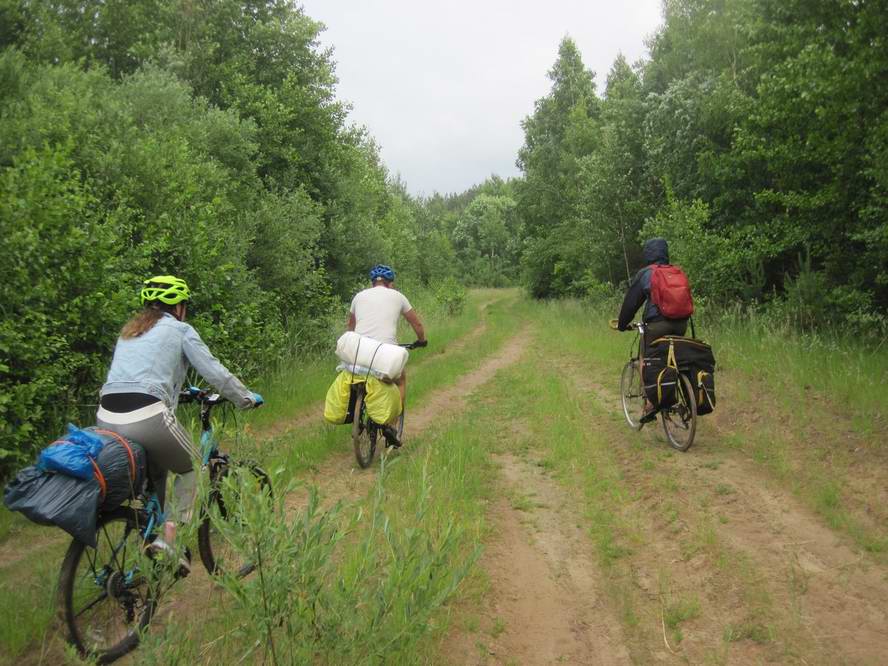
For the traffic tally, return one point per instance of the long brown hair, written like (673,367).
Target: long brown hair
(144,320)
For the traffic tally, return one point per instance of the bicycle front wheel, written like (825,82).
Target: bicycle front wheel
(106,595)
(632,394)
(363,435)
(680,420)
(219,553)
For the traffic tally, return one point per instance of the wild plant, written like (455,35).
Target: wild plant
(338,585)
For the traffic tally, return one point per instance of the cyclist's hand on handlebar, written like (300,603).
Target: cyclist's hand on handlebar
(420,343)
(190,394)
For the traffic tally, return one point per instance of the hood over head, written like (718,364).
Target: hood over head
(656,251)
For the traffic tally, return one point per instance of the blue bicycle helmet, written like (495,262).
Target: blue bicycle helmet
(382,271)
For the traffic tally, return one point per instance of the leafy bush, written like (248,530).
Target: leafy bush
(451,296)
(59,316)
(810,304)
(336,587)
(714,263)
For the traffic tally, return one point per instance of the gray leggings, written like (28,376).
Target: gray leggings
(169,448)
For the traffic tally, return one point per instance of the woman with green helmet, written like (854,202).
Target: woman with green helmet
(138,400)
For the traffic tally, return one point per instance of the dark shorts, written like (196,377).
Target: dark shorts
(661,327)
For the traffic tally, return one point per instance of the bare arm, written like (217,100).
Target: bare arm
(413,319)
(350,326)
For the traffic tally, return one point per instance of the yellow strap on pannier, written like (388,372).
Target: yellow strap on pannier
(670,358)
(660,386)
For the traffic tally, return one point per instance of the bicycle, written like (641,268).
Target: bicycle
(679,420)
(109,593)
(365,431)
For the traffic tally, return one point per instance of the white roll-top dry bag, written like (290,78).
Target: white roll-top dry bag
(382,359)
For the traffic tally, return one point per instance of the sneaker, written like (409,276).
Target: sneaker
(161,548)
(391,437)
(648,416)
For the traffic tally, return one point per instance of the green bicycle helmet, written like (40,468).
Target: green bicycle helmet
(166,289)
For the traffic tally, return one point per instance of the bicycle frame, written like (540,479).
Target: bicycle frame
(120,578)
(678,417)
(639,344)
(209,446)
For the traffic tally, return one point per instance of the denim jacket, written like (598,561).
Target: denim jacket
(156,362)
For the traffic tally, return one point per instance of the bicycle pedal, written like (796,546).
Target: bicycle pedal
(391,437)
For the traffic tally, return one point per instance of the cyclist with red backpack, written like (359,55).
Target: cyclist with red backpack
(665,292)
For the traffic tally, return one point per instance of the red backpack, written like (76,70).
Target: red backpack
(671,291)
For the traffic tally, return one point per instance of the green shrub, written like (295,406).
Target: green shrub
(337,586)
(451,296)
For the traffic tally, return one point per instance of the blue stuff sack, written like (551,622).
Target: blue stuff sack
(73,454)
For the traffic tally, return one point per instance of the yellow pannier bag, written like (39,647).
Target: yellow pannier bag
(383,401)
(336,403)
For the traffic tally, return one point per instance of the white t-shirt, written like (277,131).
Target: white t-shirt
(377,311)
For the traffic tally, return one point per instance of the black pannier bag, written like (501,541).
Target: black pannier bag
(122,465)
(51,498)
(697,362)
(660,381)
(72,504)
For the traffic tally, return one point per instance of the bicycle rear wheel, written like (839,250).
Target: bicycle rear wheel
(364,434)
(680,420)
(106,593)
(219,554)
(632,394)
(401,426)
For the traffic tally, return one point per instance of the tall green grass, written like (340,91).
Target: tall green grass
(795,399)
(367,582)
(290,453)
(28,600)
(846,371)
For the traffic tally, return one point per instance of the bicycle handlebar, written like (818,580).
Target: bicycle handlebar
(194,394)
(205,398)
(635,324)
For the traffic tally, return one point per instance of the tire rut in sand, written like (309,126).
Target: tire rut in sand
(546,603)
(339,477)
(827,601)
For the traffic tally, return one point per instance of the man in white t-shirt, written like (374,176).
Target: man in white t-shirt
(375,313)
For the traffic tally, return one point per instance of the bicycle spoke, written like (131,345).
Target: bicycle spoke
(101,597)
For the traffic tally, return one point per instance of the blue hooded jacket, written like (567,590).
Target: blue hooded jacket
(655,251)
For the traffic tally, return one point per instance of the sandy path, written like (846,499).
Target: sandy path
(827,601)
(340,478)
(545,604)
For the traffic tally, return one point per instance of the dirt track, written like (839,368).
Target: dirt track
(546,602)
(773,582)
(760,560)
(340,478)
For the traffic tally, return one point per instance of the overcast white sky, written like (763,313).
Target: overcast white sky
(443,87)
